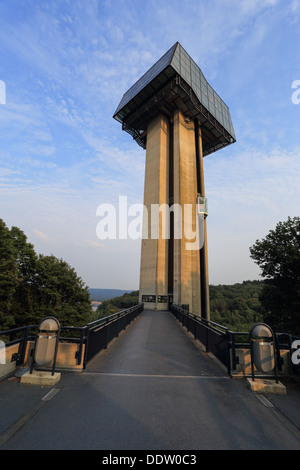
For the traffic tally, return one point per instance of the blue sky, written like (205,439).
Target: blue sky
(66,65)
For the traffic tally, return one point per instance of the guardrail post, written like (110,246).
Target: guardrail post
(206,339)
(78,354)
(228,339)
(85,358)
(233,352)
(22,347)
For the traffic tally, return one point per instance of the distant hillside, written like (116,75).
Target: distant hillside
(118,303)
(236,306)
(101,295)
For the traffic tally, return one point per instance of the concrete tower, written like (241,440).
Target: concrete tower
(173,113)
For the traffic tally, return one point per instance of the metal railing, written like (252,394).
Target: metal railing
(213,336)
(100,332)
(18,336)
(223,342)
(91,338)
(96,335)
(285,341)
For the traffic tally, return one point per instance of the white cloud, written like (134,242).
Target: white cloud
(248,194)
(62,154)
(90,243)
(42,236)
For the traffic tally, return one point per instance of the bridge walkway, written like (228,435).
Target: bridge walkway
(152,389)
(156,345)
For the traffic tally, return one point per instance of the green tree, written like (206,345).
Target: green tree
(236,306)
(60,292)
(8,276)
(34,286)
(24,302)
(110,306)
(278,256)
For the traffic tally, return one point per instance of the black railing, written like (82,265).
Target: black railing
(101,332)
(213,336)
(286,341)
(223,342)
(94,336)
(24,334)
(18,336)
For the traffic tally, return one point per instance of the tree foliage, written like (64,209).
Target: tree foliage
(8,274)
(33,286)
(108,307)
(236,306)
(278,256)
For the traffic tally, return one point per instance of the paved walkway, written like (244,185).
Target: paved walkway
(152,389)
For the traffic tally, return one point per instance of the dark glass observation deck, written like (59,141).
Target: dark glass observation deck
(176,82)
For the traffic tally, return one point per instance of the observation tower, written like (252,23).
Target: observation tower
(173,113)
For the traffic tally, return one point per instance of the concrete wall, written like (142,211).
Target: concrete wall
(243,368)
(8,367)
(65,358)
(154,251)
(186,260)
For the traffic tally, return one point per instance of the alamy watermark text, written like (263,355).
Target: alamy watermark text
(296,93)
(2,92)
(138,222)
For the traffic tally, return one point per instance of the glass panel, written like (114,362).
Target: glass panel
(147,77)
(176,64)
(211,108)
(176,60)
(204,100)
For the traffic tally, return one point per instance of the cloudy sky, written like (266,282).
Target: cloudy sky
(64,66)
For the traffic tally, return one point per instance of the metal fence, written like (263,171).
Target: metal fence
(95,336)
(101,332)
(223,342)
(286,341)
(213,336)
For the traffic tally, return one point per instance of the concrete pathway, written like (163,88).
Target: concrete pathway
(152,389)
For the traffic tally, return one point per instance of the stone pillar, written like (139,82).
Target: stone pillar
(186,249)
(205,302)
(154,249)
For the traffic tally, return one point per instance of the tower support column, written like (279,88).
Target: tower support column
(204,278)
(154,249)
(186,249)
